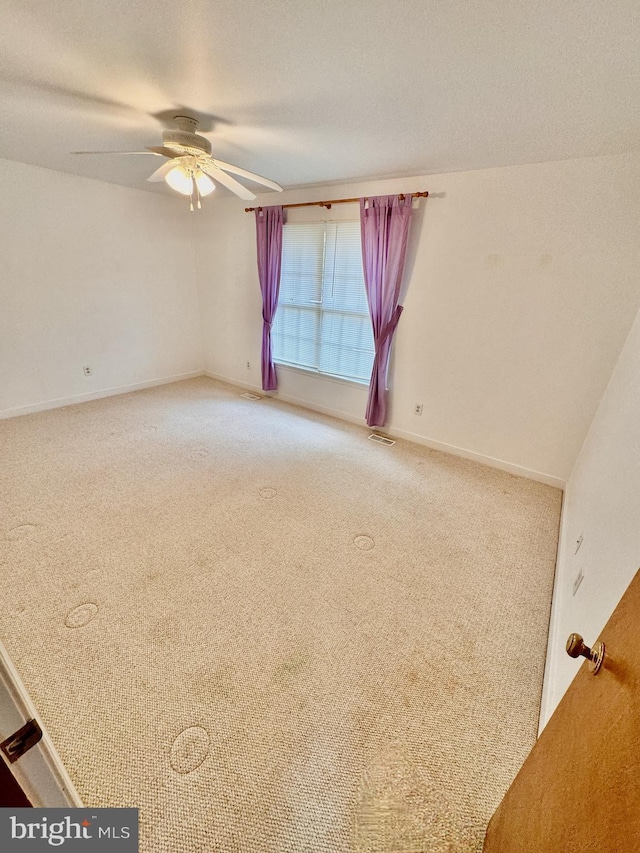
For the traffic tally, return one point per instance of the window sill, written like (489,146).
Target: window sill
(329,377)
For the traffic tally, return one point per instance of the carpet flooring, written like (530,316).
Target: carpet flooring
(267,632)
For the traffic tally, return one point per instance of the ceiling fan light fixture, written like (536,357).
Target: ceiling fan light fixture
(180,180)
(190,166)
(205,184)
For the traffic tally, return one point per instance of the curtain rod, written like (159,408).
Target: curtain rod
(328,204)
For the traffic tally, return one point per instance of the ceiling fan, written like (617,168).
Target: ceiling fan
(191,167)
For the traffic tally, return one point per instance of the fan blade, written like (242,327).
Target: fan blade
(162,172)
(228,182)
(236,170)
(113,152)
(165,152)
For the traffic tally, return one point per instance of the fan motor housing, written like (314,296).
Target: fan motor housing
(182,139)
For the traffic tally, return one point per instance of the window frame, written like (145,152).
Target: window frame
(320,308)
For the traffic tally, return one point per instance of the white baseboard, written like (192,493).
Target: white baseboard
(500,464)
(95,395)
(546,707)
(287,398)
(237,383)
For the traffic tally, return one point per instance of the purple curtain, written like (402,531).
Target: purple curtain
(384,222)
(269,239)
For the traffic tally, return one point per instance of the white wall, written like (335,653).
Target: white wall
(522,284)
(96,274)
(602,503)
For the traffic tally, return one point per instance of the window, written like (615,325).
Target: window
(322,322)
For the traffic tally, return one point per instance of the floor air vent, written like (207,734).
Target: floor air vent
(381,439)
(248,396)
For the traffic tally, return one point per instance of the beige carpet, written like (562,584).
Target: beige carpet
(267,632)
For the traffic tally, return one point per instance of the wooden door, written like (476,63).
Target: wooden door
(579,789)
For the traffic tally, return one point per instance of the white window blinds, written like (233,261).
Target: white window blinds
(322,322)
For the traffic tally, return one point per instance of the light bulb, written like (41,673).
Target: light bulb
(205,184)
(180,180)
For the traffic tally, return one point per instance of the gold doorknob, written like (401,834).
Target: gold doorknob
(576,648)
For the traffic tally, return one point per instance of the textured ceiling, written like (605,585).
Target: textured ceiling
(317,91)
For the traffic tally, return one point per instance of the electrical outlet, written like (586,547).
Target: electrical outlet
(248,365)
(578,580)
(578,543)
(87,370)
(417,409)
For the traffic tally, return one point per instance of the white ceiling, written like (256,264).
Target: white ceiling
(317,91)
